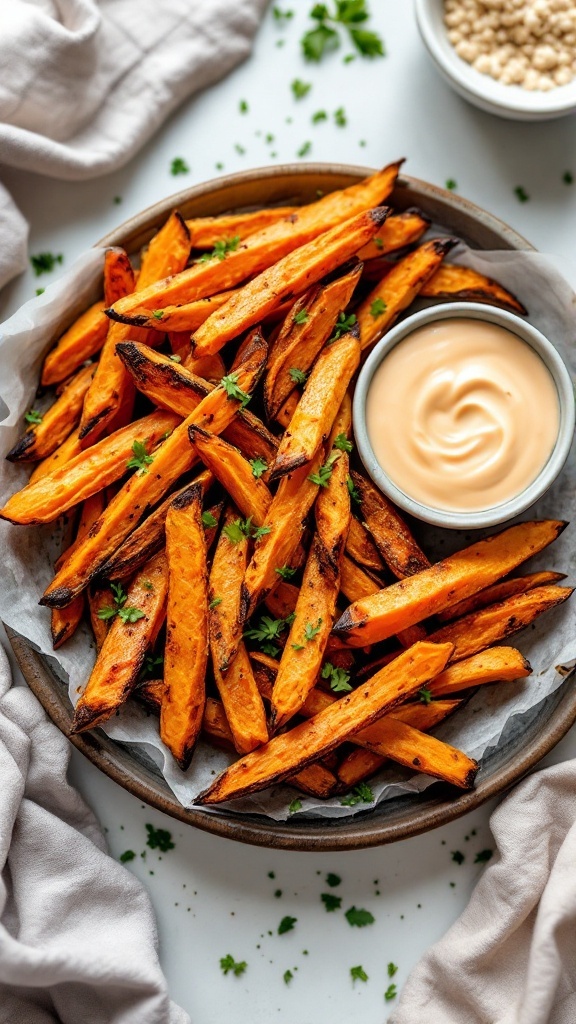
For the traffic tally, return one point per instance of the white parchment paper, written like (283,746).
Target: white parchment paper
(28,552)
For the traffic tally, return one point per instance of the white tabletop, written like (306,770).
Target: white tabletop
(214,897)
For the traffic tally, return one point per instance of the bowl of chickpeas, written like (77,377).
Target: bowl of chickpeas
(514,58)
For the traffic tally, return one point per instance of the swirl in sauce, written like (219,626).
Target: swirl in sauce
(462,415)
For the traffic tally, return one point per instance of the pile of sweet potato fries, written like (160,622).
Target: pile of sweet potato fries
(201,442)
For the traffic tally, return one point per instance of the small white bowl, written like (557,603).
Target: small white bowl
(497,513)
(510,101)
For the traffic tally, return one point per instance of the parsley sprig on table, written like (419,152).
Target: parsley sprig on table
(221,249)
(325,36)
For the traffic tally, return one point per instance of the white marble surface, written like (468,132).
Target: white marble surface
(214,897)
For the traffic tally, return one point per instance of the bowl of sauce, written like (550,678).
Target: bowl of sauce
(464,415)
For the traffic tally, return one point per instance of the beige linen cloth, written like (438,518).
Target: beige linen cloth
(511,957)
(85,83)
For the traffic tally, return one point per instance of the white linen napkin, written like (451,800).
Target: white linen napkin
(85,83)
(511,956)
(77,931)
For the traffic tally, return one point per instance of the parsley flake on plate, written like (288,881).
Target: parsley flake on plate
(228,963)
(521,194)
(287,977)
(286,924)
(451,185)
(159,839)
(304,149)
(319,116)
(340,117)
(358,973)
(127,856)
(296,805)
(325,36)
(392,968)
(358,918)
(243,107)
(280,16)
(44,262)
(330,901)
(484,856)
(300,89)
(33,416)
(568,178)
(360,794)
(179,166)
(458,857)
(390,993)
(333,880)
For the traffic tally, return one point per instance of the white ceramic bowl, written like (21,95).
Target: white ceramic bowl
(510,101)
(497,513)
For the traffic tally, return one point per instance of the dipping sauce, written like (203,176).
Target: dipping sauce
(462,415)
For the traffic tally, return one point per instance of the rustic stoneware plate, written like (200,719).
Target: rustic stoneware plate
(395,819)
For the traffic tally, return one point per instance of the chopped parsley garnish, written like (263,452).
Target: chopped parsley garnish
(310,632)
(179,166)
(126,856)
(333,880)
(150,664)
(269,137)
(451,185)
(117,200)
(304,149)
(349,58)
(360,794)
(322,477)
(215,602)
(243,107)
(239,149)
(221,249)
(296,805)
(158,314)
(230,385)
(377,308)
(175,358)
(340,117)
(208,519)
(568,178)
(140,458)
(353,491)
(237,530)
(358,918)
(330,901)
(261,531)
(425,695)
(278,893)
(458,857)
(131,614)
(343,325)
(40,291)
(228,963)
(378,242)
(119,596)
(300,89)
(281,16)
(258,467)
(483,857)
(521,194)
(219,166)
(267,630)
(298,376)
(286,924)
(285,572)
(44,262)
(320,115)
(159,839)
(342,443)
(358,973)
(33,416)
(390,993)
(324,37)
(287,977)
(392,968)
(301,317)
(339,678)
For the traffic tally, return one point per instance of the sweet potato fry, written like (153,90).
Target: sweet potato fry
(166,254)
(285,523)
(226,575)
(302,657)
(360,763)
(242,702)
(148,538)
(88,472)
(281,602)
(389,531)
(315,413)
(262,248)
(285,414)
(292,751)
(185,318)
(356,583)
(399,288)
(490,625)
(119,279)
(186,650)
(499,592)
(291,275)
(80,342)
(57,422)
(64,453)
(234,472)
(459,576)
(461,284)
(129,637)
(143,490)
(399,230)
(298,343)
(99,598)
(496,665)
(175,387)
(361,547)
(206,231)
